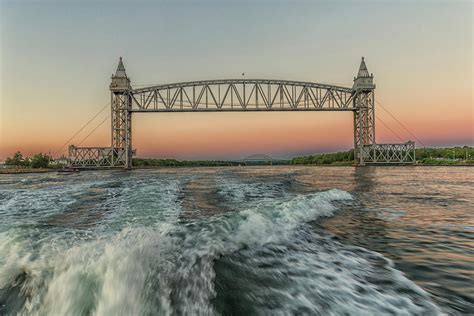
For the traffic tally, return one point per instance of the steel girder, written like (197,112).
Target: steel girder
(241,95)
(390,153)
(96,157)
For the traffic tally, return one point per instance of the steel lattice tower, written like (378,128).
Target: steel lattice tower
(364,116)
(121,121)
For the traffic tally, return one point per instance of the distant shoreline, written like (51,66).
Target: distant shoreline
(426,156)
(48,170)
(26,170)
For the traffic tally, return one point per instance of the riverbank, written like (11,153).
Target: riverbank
(446,156)
(336,164)
(26,170)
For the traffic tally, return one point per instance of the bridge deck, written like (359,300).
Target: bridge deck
(239,109)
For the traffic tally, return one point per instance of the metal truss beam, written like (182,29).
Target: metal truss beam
(389,153)
(242,81)
(239,110)
(96,157)
(242,95)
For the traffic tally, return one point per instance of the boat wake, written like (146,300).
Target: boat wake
(266,258)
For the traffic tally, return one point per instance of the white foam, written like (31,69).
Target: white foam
(168,268)
(245,193)
(327,277)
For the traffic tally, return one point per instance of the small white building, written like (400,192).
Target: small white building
(62,161)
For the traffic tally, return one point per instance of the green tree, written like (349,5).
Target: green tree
(16,160)
(40,161)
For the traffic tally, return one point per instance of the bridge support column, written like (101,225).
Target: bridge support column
(121,130)
(364,125)
(364,114)
(121,118)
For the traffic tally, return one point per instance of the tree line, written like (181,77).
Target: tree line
(144,162)
(426,155)
(39,160)
(340,158)
(451,153)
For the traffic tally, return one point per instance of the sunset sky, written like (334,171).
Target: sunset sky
(56,58)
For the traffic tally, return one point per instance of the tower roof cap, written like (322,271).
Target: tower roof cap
(120,72)
(363,72)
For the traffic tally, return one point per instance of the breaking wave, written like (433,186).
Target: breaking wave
(263,259)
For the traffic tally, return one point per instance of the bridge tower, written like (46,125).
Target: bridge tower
(364,115)
(121,117)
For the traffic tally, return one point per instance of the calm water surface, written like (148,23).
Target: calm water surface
(239,241)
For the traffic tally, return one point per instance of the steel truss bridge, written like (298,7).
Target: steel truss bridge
(241,95)
(261,159)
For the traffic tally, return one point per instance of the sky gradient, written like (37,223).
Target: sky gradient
(57,57)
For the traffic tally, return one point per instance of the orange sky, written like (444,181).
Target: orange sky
(227,135)
(56,61)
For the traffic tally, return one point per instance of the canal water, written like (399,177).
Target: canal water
(269,240)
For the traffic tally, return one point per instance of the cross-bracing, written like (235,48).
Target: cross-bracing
(244,95)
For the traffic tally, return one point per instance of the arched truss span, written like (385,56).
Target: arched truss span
(258,157)
(242,95)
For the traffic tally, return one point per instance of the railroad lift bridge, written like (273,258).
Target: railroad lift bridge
(241,95)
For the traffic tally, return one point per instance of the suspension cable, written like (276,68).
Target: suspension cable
(95,128)
(80,130)
(401,124)
(388,127)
